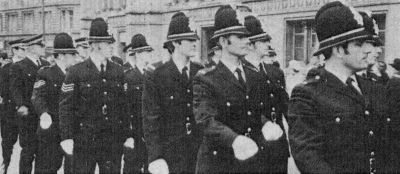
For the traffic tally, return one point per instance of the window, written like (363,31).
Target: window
(48,21)
(301,40)
(12,22)
(381,21)
(71,19)
(27,24)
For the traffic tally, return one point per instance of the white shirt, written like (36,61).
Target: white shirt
(98,64)
(180,65)
(343,78)
(232,67)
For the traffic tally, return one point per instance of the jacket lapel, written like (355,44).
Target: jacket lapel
(339,87)
(227,75)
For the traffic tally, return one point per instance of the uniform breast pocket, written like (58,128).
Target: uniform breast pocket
(88,89)
(343,128)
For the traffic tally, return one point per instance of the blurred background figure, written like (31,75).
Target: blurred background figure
(214,56)
(295,74)
(395,68)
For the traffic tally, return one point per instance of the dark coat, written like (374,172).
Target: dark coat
(224,109)
(93,105)
(7,105)
(337,130)
(46,98)
(23,76)
(135,84)
(168,121)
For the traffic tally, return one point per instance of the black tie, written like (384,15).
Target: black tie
(240,77)
(184,73)
(102,68)
(349,83)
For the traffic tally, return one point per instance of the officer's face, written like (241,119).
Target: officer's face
(187,48)
(144,57)
(70,59)
(39,50)
(82,51)
(236,45)
(356,58)
(105,49)
(262,47)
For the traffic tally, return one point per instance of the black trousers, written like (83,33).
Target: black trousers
(9,133)
(107,155)
(181,155)
(27,126)
(49,154)
(135,159)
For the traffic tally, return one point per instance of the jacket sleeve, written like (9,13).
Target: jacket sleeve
(68,104)
(152,118)
(40,94)
(205,111)
(306,135)
(16,86)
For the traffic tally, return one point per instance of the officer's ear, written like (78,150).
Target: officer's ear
(223,41)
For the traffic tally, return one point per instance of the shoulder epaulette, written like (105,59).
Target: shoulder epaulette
(206,70)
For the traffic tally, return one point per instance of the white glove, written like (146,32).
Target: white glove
(67,146)
(23,111)
(130,143)
(158,166)
(1,100)
(244,147)
(271,131)
(45,120)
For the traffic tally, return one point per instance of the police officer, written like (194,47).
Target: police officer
(339,121)
(9,128)
(45,99)
(168,122)
(273,98)
(228,106)
(23,75)
(82,46)
(135,69)
(93,119)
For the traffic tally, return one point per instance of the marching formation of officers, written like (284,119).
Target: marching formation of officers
(89,108)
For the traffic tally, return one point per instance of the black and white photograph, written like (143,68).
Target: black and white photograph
(199,86)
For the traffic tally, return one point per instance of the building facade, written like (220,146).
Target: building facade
(289,22)
(23,18)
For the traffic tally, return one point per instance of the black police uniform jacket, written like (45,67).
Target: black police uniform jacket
(46,95)
(93,105)
(23,76)
(167,109)
(223,110)
(335,129)
(134,87)
(6,105)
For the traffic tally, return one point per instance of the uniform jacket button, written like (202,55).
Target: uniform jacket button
(104,80)
(366,112)
(137,87)
(261,103)
(188,91)
(337,119)
(171,97)
(81,124)
(388,119)
(106,118)
(187,118)
(228,104)
(248,112)
(271,95)
(371,132)
(131,116)
(55,85)
(214,152)
(105,93)
(188,105)
(88,85)
(247,97)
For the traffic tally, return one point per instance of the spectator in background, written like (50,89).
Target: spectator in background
(396,68)
(295,74)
